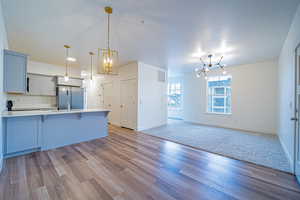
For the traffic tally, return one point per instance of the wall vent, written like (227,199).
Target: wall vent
(161,76)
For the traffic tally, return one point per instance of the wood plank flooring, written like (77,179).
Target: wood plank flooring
(129,165)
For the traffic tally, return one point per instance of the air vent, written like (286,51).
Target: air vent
(161,76)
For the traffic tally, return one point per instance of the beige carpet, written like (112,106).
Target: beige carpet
(261,149)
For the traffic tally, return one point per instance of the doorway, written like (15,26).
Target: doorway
(297,113)
(175,100)
(128,103)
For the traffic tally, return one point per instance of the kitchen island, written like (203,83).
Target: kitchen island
(30,131)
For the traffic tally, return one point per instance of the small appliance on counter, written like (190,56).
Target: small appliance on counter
(9,105)
(70,94)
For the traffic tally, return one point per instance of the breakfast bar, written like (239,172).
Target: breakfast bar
(31,131)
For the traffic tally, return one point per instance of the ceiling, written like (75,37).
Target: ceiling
(169,34)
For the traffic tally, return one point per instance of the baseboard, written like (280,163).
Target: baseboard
(146,128)
(288,155)
(235,129)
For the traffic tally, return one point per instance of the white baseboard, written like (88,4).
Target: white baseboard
(288,155)
(236,129)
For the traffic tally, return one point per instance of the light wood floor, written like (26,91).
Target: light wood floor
(129,165)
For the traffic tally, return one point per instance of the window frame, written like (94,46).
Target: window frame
(175,90)
(213,96)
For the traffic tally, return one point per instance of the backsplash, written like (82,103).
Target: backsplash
(31,102)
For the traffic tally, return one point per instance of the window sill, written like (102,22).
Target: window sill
(215,113)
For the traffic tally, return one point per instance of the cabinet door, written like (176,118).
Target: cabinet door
(15,67)
(42,85)
(22,134)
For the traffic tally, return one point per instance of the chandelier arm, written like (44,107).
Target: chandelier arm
(220,60)
(202,61)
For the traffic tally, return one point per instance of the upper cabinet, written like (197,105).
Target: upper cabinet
(41,85)
(15,68)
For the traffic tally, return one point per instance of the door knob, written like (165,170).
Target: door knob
(294,119)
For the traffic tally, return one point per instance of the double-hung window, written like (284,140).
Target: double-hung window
(219,94)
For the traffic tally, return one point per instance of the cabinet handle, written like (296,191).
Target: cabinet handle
(27,87)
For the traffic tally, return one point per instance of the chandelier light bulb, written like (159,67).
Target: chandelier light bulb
(224,72)
(205,77)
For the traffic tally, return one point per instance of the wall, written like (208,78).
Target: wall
(25,101)
(254,98)
(286,83)
(152,94)
(3,45)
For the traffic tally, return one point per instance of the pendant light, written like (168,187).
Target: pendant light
(107,57)
(67,60)
(91,54)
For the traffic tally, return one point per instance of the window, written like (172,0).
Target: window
(219,94)
(174,95)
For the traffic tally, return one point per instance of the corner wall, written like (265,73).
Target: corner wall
(152,97)
(254,98)
(3,45)
(286,81)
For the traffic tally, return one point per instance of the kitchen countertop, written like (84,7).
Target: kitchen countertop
(8,114)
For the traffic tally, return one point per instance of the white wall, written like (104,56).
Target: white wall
(3,45)
(254,98)
(286,87)
(152,94)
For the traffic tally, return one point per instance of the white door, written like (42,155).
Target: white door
(108,98)
(128,103)
(297,116)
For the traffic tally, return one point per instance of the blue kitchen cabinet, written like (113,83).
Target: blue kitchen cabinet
(15,69)
(22,134)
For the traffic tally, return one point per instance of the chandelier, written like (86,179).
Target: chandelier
(107,57)
(206,67)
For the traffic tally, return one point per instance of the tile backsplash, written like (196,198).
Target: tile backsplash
(31,102)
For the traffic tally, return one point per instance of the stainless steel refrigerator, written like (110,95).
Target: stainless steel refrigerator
(70,96)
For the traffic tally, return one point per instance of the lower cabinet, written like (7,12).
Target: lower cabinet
(22,134)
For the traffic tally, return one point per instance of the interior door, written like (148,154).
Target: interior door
(128,103)
(297,117)
(108,98)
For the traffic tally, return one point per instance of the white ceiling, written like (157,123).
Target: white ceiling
(165,33)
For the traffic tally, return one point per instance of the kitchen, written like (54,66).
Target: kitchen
(46,110)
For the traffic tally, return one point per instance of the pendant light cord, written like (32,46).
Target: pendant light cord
(108,21)
(91,67)
(67,55)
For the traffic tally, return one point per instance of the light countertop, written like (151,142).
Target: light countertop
(7,114)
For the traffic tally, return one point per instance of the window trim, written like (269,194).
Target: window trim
(221,96)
